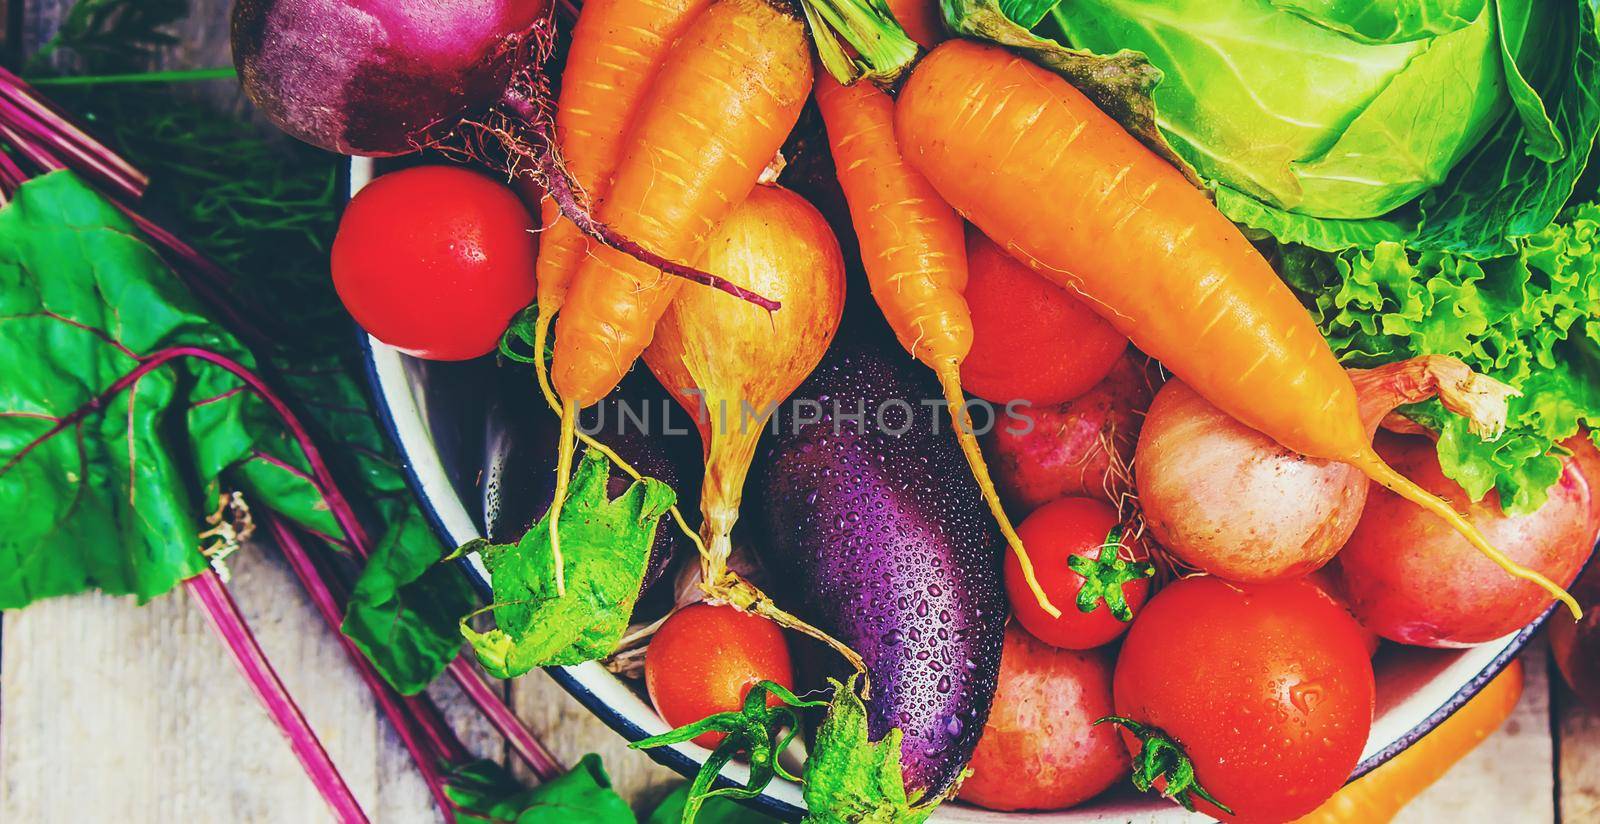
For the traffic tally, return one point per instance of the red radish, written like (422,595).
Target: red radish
(1031,339)
(1228,500)
(1041,748)
(705,658)
(1576,644)
(435,260)
(1088,565)
(1410,578)
(1083,447)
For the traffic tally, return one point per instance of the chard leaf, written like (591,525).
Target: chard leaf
(713,810)
(405,607)
(850,779)
(1120,84)
(483,792)
(605,546)
(1504,190)
(115,498)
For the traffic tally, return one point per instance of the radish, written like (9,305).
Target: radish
(1410,578)
(1228,500)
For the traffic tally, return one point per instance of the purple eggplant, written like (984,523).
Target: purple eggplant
(885,543)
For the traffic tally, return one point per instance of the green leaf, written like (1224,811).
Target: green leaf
(1119,83)
(1325,234)
(605,546)
(1504,190)
(405,607)
(851,779)
(1528,319)
(1387,21)
(115,500)
(484,793)
(714,810)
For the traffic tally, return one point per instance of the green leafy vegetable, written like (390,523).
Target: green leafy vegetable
(759,731)
(605,546)
(1527,319)
(484,793)
(851,779)
(715,810)
(1337,125)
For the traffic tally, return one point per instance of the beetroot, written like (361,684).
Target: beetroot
(378,78)
(889,548)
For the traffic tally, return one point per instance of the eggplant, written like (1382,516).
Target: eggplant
(519,478)
(886,544)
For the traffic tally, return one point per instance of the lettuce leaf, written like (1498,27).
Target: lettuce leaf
(1531,319)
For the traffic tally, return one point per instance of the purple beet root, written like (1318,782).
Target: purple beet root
(378,79)
(887,545)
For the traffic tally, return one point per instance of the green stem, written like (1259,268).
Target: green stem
(179,76)
(882,50)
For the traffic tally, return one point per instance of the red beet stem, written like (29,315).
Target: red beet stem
(51,124)
(529,749)
(225,618)
(429,747)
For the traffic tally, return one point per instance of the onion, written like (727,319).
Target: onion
(1228,500)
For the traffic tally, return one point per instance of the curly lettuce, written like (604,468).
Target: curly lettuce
(1531,319)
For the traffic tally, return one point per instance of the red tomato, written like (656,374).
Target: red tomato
(435,260)
(704,659)
(1266,687)
(1042,726)
(1031,339)
(1066,539)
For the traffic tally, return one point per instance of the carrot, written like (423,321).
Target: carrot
(1379,795)
(617,48)
(913,246)
(1063,188)
(717,111)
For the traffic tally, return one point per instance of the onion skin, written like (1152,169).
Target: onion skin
(1081,448)
(1231,501)
(378,79)
(1410,578)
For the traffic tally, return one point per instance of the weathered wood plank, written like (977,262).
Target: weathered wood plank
(1578,737)
(1508,777)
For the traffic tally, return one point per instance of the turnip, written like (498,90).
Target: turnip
(1410,578)
(1228,500)
(877,527)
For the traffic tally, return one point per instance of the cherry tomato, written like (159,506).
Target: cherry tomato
(435,260)
(1266,688)
(1042,726)
(704,659)
(1031,339)
(1080,559)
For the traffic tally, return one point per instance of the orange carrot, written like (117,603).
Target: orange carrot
(617,48)
(1377,796)
(1063,188)
(717,111)
(914,248)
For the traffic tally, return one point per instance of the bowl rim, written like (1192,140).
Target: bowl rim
(586,682)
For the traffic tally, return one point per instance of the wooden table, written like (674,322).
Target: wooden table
(113,711)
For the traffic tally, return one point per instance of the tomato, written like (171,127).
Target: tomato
(1031,339)
(1042,726)
(705,658)
(1266,687)
(1411,578)
(435,261)
(1065,539)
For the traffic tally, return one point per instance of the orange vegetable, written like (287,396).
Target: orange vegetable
(617,47)
(1063,188)
(914,248)
(1377,796)
(718,110)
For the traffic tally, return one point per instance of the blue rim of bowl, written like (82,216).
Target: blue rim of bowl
(687,767)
